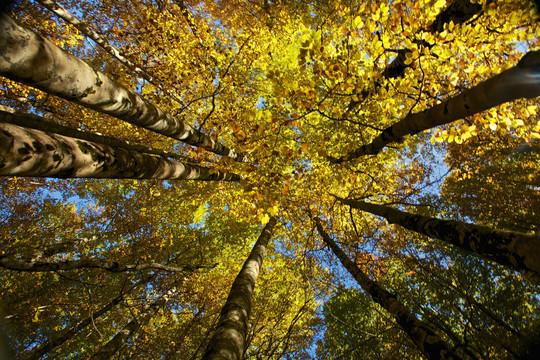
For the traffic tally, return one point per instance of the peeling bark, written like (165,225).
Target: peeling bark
(30,59)
(521,81)
(30,152)
(515,250)
(425,338)
(228,340)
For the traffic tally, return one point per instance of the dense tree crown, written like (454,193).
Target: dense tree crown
(269,179)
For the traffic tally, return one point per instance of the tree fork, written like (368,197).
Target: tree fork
(520,81)
(516,250)
(228,340)
(30,59)
(30,152)
(429,343)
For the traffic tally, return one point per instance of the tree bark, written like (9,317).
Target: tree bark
(429,343)
(459,11)
(112,266)
(113,345)
(30,152)
(90,33)
(66,334)
(30,59)
(516,250)
(520,81)
(228,340)
(15,117)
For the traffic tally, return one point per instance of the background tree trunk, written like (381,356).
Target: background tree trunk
(516,250)
(113,345)
(63,336)
(429,343)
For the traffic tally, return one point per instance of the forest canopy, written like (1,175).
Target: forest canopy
(269,179)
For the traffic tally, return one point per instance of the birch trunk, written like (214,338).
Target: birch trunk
(516,250)
(518,82)
(30,59)
(429,343)
(228,340)
(30,152)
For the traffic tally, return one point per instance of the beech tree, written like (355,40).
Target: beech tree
(229,338)
(429,343)
(354,112)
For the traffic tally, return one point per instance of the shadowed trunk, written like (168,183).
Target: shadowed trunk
(228,340)
(113,345)
(429,343)
(112,266)
(516,250)
(30,152)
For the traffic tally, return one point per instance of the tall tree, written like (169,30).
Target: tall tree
(63,336)
(427,340)
(112,346)
(516,250)
(515,83)
(293,84)
(29,152)
(228,340)
(36,61)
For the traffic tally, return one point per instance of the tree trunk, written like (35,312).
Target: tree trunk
(29,152)
(63,336)
(459,11)
(35,61)
(113,345)
(15,117)
(516,250)
(112,266)
(512,84)
(228,340)
(429,343)
(59,11)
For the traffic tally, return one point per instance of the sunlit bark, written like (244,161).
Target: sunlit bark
(30,59)
(520,81)
(30,152)
(228,340)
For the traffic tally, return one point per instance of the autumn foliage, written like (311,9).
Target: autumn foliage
(400,137)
